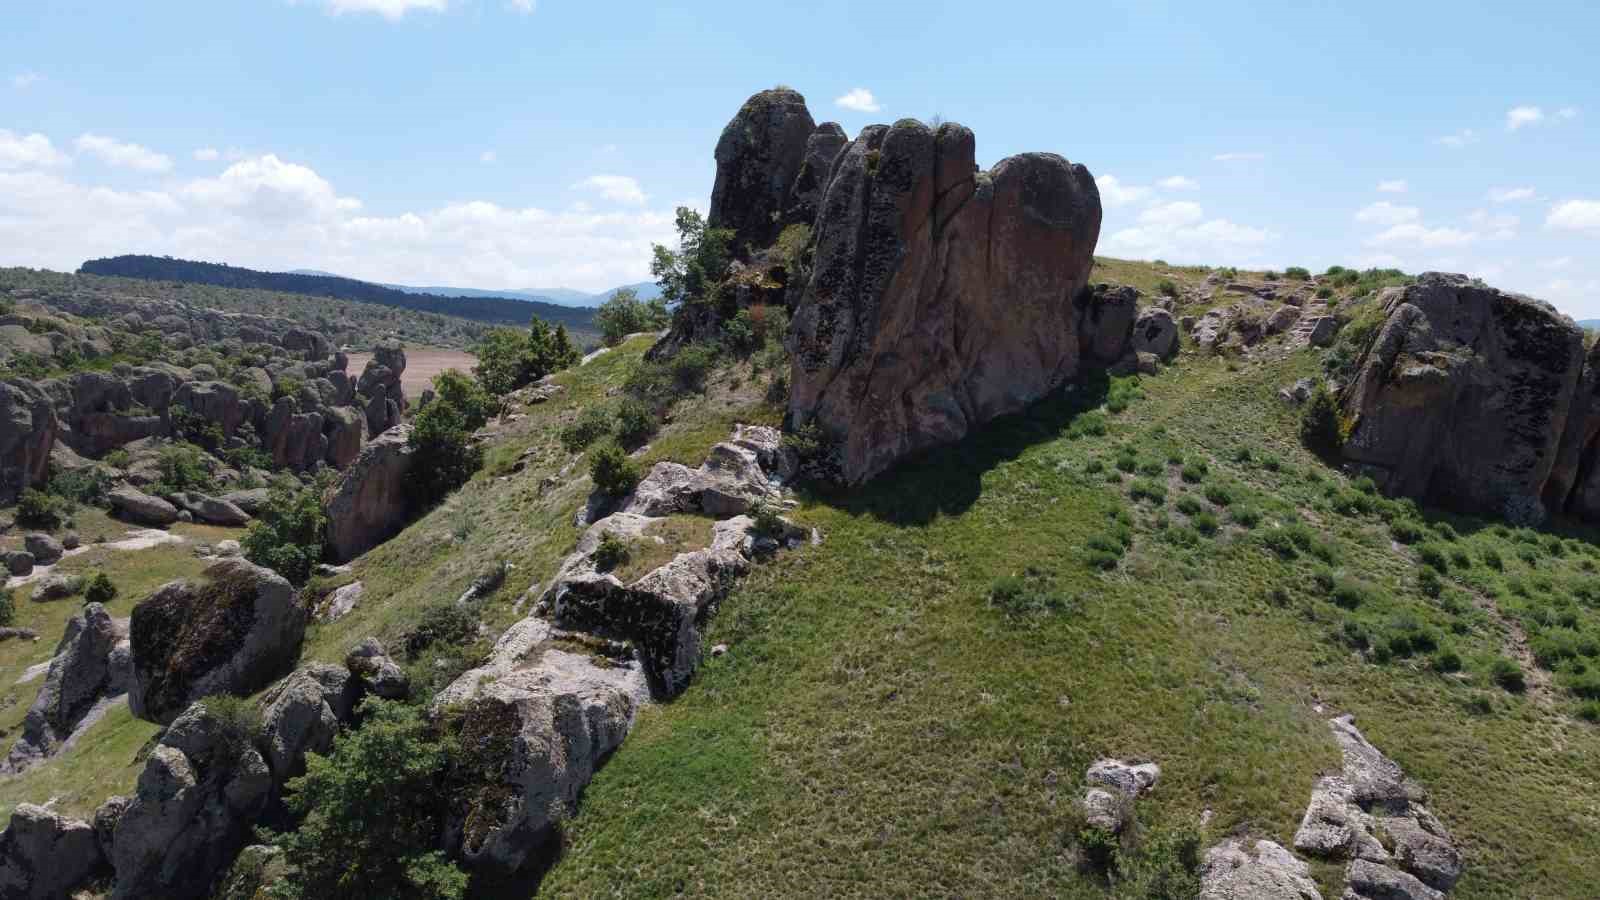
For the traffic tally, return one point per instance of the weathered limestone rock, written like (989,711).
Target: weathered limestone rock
(303,713)
(1282,319)
(728,483)
(1106,324)
(345,430)
(141,508)
(368,504)
(81,674)
(45,856)
(252,501)
(1371,807)
(376,671)
(1464,395)
(940,298)
(212,510)
(1113,786)
(759,157)
(28,427)
(235,632)
(1323,330)
(1264,872)
(198,797)
(214,401)
(1155,332)
(46,550)
(1368,880)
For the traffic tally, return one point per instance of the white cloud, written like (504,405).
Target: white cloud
(1396,186)
(523,6)
(24,80)
(123,156)
(1419,235)
(266,189)
(488,157)
(18,151)
(1575,215)
(1171,215)
(1114,194)
(1510,195)
(1239,156)
(1458,140)
(390,9)
(207,154)
(1567,112)
(1385,213)
(858,100)
(1179,183)
(1495,226)
(617,188)
(1520,116)
(1560,262)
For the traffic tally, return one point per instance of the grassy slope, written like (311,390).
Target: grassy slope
(878,729)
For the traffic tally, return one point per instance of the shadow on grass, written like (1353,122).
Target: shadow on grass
(947,480)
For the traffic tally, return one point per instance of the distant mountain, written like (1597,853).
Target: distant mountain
(648,290)
(1589,323)
(482,307)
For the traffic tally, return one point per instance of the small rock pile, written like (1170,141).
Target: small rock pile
(1114,786)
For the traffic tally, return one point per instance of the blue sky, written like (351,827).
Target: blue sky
(514,143)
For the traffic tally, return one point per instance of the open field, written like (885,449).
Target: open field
(422,363)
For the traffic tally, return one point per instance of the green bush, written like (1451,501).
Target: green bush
(287,534)
(612,471)
(1271,463)
(1324,293)
(443,622)
(591,425)
(1446,660)
(1297,273)
(238,726)
(611,552)
(623,313)
(1350,593)
(1320,428)
(1219,494)
(37,509)
(445,455)
(87,486)
(1406,531)
(1433,556)
(1127,461)
(100,590)
(1166,288)
(1163,866)
(636,422)
(1245,516)
(1195,471)
(767,519)
(1189,506)
(1506,674)
(1031,593)
(692,365)
(8,607)
(509,359)
(1205,523)
(183,468)
(1148,489)
(373,813)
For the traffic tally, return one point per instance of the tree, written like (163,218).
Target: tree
(612,471)
(441,437)
(101,589)
(624,313)
(700,263)
(287,535)
(1320,427)
(454,388)
(509,359)
(373,813)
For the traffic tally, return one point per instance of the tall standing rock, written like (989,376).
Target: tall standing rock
(940,297)
(758,158)
(816,168)
(28,427)
(368,504)
(1463,397)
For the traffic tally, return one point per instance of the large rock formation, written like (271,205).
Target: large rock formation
(90,664)
(1464,396)
(28,428)
(140,508)
(816,168)
(759,158)
(235,632)
(368,504)
(940,297)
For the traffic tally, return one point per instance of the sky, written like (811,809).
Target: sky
(511,144)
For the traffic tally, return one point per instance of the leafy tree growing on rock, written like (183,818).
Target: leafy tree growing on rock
(287,534)
(691,273)
(623,313)
(509,359)
(441,436)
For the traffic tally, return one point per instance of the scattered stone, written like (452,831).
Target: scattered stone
(57,587)
(341,602)
(71,541)
(1265,872)
(227,549)
(377,672)
(1282,319)
(1113,786)
(10,633)
(211,510)
(1299,392)
(46,550)
(19,562)
(1323,330)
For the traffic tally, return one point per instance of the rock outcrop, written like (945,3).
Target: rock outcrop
(140,508)
(805,194)
(28,426)
(1155,332)
(1265,871)
(234,632)
(759,158)
(1105,329)
(1463,397)
(1375,816)
(1113,787)
(212,510)
(87,668)
(44,856)
(368,504)
(303,713)
(940,297)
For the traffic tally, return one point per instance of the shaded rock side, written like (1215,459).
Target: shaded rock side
(45,856)
(759,156)
(234,632)
(1463,397)
(28,427)
(84,670)
(368,504)
(940,297)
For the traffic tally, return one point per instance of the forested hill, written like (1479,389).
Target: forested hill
(493,310)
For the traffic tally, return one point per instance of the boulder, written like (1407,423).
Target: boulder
(759,157)
(202,789)
(1212,329)
(1572,485)
(252,501)
(44,855)
(81,673)
(376,671)
(1155,332)
(234,632)
(46,550)
(214,401)
(1368,880)
(1323,330)
(303,713)
(368,504)
(211,510)
(140,508)
(19,562)
(345,429)
(292,438)
(57,587)
(341,602)
(28,427)
(1113,786)
(310,344)
(1264,872)
(1462,398)
(546,719)
(1105,327)
(940,297)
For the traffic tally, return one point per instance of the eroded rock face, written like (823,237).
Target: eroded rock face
(368,504)
(1373,814)
(198,797)
(805,194)
(1106,327)
(1265,871)
(303,713)
(44,856)
(1155,332)
(234,632)
(759,157)
(28,427)
(84,671)
(1463,397)
(940,297)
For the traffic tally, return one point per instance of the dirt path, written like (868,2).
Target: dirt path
(422,363)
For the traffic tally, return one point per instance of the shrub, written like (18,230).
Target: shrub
(36,509)
(374,812)
(1152,468)
(1127,461)
(591,425)
(86,486)
(287,534)
(1433,556)
(636,422)
(465,396)
(1297,273)
(1355,635)
(623,313)
(692,364)
(1089,424)
(1205,523)
(611,552)
(100,590)
(1243,456)
(1324,293)
(612,471)
(1271,463)
(767,519)
(1219,494)
(118,459)
(1165,866)
(441,622)
(1194,471)
(1350,593)
(445,454)
(1031,593)
(8,607)
(1245,516)
(1446,660)
(1406,531)
(1188,505)
(1506,674)
(1094,467)
(1320,428)
(1429,583)
(183,468)
(1148,489)
(1166,288)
